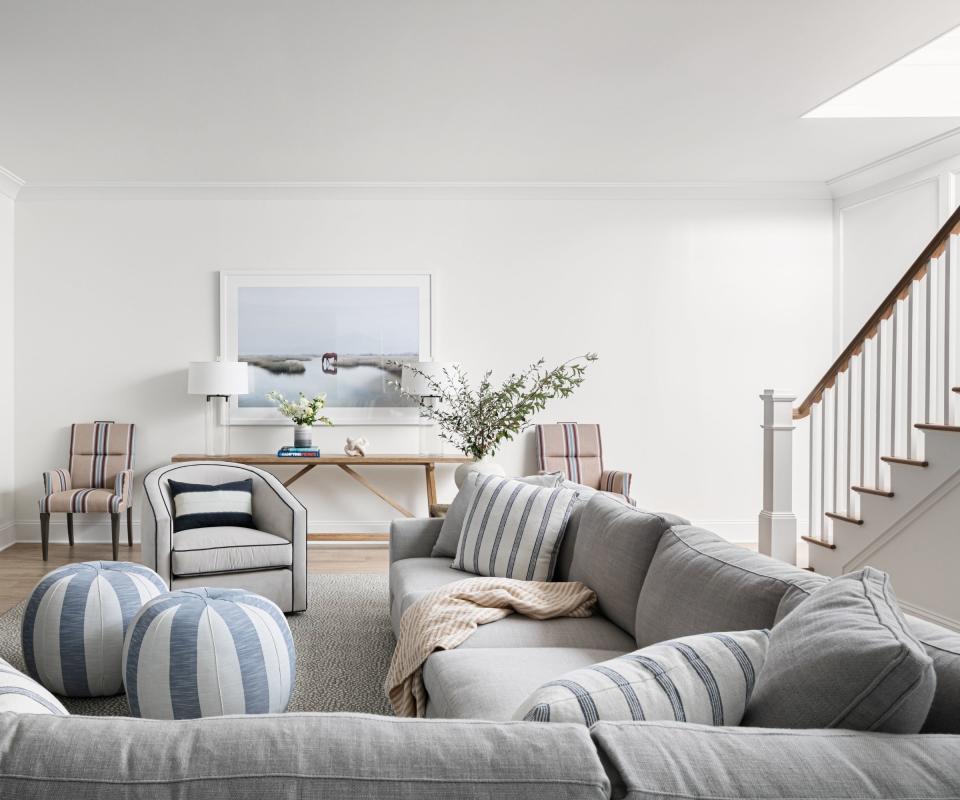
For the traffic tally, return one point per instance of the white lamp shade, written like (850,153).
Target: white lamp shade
(415,384)
(221,378)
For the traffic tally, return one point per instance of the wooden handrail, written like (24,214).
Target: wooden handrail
(872,325)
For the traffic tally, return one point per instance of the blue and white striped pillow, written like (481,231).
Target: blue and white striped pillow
(513,529)
(23,695)
(705,679)
(197,505)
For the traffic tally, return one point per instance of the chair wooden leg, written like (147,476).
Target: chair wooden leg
(70,529)
(44,534)
(130,526)
(115,532)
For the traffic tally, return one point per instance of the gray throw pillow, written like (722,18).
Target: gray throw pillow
(844,658)
(449,536)
(706,679)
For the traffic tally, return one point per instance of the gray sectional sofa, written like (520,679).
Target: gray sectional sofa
(655,578)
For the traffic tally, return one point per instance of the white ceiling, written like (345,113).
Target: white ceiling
(449,90)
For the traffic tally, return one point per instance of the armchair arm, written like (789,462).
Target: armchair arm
(123,486)
(57,480)
(612,480)
(413,538)
(156,527)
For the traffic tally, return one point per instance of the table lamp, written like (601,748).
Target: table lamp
(218,380)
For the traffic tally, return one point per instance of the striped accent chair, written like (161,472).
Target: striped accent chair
(99,480)
(576,450)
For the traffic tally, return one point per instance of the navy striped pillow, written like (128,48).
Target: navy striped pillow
(197,505)
(706,679)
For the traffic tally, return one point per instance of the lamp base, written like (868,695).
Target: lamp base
(217,435)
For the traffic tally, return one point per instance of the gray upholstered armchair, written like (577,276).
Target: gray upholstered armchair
(269,559)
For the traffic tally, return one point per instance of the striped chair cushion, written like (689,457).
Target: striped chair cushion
(83,500)
(513,529)
(207,652)
(197,505)
(23,695)
(706,679)
(75,620)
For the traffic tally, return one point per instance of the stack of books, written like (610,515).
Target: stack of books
(298,452)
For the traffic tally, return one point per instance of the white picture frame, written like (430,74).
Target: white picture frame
(232,283)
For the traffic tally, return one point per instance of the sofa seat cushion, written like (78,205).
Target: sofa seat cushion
(698,583)
(228,549)
(492,683)
(412,578)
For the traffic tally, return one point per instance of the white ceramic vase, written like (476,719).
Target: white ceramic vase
(485,466)
(302,435)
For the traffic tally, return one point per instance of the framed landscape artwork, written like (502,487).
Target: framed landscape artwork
(336,334)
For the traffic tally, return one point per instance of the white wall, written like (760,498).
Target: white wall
(7,483)
(695,304)
(881,228)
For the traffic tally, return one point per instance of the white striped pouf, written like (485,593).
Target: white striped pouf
(75,621)
(206,652)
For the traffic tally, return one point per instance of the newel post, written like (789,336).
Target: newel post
(778,523)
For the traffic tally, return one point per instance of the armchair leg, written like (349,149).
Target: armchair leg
(115,532)
(44,534)
(70,529)
(130,526)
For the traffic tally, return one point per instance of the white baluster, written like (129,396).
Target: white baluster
(927,295)
(947,388)
(878,364)
(847,490)
(894,355)
(812,465)
(909,398)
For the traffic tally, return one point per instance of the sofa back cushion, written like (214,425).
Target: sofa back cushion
(698,582)
(614,547)
(845,658)
(942,645)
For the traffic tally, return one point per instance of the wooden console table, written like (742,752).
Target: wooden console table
(347,464)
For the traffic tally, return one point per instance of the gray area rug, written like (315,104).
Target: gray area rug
(343,639)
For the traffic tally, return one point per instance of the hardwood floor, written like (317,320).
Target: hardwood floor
(21,566)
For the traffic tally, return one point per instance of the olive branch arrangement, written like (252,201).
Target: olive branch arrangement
(478,420)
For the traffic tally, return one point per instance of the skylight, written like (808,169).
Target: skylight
(924,83)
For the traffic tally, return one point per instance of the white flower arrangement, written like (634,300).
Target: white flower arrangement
(304,410)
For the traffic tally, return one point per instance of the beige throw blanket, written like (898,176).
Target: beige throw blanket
(444,618)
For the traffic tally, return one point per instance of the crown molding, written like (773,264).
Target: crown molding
(806,190)
(909,159)
(10,184)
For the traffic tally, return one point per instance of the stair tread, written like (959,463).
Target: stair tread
(819,542)
(843,518)
(929,426)
(909,462)
(956,389)
(868,490)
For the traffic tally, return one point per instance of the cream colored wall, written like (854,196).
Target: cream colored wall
(7,483)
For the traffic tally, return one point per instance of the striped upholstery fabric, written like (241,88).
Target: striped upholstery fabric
(207,652)
(573,449)
(705,679)
(100,478)
(23,695)
(98,451)
(513,529)
(74,624)
(612,480)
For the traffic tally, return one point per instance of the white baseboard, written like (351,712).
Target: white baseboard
(929,616)
(8,534)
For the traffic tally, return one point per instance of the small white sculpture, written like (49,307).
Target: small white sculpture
(356,446)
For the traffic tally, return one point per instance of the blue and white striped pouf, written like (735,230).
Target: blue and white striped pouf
(206,652)
(75,621)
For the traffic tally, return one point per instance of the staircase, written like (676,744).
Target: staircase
(884,466)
